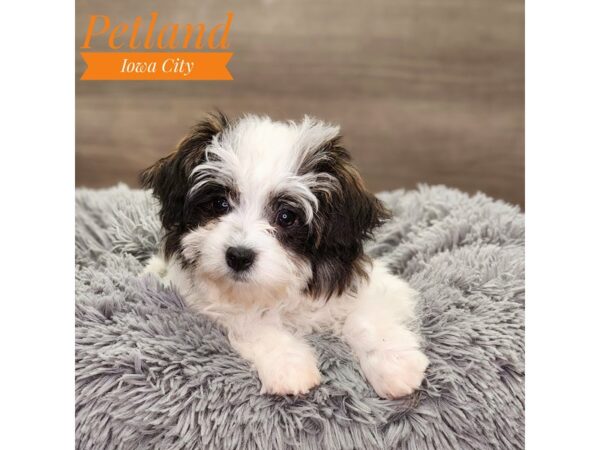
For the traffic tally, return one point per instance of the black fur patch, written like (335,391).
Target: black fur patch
(170,182)
(345,218)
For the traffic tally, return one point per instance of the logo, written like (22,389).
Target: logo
(146,50)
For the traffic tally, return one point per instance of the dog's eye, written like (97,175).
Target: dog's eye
(221,205)
(285,217)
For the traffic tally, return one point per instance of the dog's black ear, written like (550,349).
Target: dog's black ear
(169,178)
(346,217)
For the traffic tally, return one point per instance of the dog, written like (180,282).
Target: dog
(264,229)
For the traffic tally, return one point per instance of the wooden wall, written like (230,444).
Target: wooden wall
(425,91)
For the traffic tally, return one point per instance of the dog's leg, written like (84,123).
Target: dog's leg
(388,352)
(157,266)
(285,363)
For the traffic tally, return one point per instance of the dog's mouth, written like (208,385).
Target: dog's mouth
(240,277)
(228,278)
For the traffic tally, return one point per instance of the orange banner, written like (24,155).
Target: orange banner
(156,66)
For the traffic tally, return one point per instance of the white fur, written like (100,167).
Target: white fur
(267,313)
(263,156)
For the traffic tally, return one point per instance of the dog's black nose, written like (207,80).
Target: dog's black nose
(239,258)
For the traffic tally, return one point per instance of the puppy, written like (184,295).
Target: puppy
(264,225)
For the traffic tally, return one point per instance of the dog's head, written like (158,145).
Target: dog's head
(258,205)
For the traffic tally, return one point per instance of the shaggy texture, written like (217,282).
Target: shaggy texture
(150,374)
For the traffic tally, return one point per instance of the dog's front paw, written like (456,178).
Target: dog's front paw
(289,374)
(394,374)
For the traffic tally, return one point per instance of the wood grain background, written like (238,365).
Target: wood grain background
(425,91)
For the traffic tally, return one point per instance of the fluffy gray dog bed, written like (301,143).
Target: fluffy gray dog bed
(150,374)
